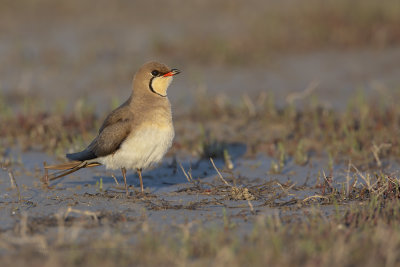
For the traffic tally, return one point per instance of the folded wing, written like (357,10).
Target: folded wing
(112,134)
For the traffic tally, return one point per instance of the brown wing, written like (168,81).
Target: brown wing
(121,113)
(112,133)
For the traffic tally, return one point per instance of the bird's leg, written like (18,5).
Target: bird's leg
(123,170)
(139,171)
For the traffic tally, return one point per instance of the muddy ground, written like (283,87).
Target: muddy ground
(181,190)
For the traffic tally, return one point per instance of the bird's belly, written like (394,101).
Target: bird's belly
(147,146)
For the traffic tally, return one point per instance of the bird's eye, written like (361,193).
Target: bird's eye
(155,72)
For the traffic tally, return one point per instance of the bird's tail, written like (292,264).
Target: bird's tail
(65,169)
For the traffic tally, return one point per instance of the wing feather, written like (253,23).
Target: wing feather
(115,129)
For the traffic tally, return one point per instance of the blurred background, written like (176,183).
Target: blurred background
(62,51)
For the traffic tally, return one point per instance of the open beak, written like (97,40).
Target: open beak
(172,73)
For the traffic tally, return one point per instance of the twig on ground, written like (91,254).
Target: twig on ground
(237,193)
(188,176)
(291,98)
(314,197)
(115,178)
(219,174)
(13,182)
(377,149)
(83,212)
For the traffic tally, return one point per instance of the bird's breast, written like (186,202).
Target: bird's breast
(150,136)
(145,146)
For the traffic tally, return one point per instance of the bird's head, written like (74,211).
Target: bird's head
(154,77)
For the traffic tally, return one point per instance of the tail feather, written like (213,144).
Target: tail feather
(64,166)
(65,169)
(82,156)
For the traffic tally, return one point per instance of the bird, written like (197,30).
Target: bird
(136,135)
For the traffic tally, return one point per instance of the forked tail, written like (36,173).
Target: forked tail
(65,169)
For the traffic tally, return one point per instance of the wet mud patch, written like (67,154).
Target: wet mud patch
(69,218)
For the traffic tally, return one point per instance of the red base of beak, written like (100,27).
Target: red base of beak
(172,73)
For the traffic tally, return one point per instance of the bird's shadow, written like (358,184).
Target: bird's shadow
(169,173)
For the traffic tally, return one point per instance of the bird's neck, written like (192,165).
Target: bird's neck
(148,100)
